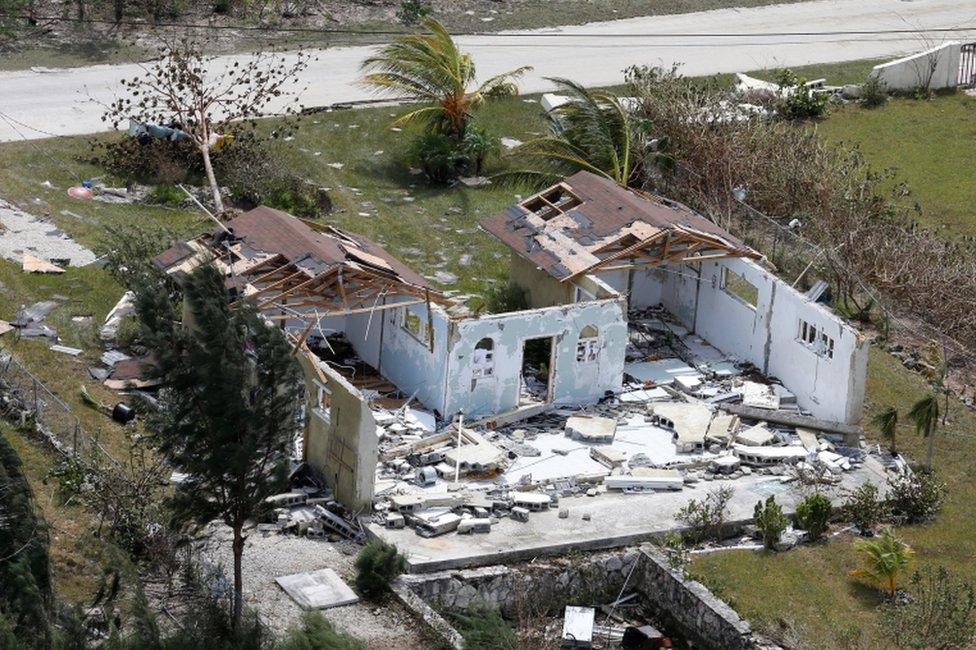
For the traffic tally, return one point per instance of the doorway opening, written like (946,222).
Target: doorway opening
(537,370)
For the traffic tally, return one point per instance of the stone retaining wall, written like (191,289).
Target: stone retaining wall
(689,606)
(534,589)
(546,587)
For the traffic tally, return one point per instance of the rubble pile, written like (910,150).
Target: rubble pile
(671,425)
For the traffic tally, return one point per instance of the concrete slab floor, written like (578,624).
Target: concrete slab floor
(616,519)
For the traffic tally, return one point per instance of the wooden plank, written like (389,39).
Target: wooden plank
(348,312)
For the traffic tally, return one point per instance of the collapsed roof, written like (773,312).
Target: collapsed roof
(587,222)
(290,264)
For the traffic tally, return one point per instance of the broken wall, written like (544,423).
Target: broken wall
(826,374)
(574,381)
(935,68)
(340,434)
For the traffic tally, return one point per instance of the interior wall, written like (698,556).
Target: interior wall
(768,336)
(646,287)
(409,362)
(573,382)
(541,289)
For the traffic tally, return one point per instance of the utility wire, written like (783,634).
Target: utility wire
(516,35)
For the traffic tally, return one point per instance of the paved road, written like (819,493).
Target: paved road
(61,102)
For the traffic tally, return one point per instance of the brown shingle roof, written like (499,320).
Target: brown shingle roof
(273,231)
(605,210)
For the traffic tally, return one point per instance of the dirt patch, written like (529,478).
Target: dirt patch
(268,556)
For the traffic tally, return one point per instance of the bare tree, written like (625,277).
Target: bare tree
(200,97)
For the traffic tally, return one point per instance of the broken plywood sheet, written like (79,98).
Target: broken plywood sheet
(33,264)
(320,589)
(5,327)
(25,233)
(662,372)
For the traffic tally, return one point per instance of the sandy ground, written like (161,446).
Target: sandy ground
(59,102)
(268,556)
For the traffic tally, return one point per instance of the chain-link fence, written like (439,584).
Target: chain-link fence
(26,400)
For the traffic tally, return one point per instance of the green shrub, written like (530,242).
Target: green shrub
(412,12)
(799,101)
(770,520)
(438,155)
(475,148)
(504,298)
(873,92)
(128,333)
(316,633)
(940,613)
(443,158)
(813,515)
(280,190)
(128,249)
(377,565)
(166,194)
(485,629)
(706,518)
(916,498)
(865,509)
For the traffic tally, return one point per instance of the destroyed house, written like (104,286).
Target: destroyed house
(317,281)
(586,250)
(589,239)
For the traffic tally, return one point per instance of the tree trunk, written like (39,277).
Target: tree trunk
(218,202)
(119,6)
(238,577)
(931,441)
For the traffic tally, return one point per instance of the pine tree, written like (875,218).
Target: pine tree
(26,596)
(229,408)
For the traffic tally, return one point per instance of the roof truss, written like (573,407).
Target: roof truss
(677,245)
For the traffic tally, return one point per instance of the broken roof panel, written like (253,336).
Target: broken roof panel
(587,221)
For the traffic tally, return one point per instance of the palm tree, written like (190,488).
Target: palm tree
(925,415)
(887,423)
(430,68)
(885,561)
(593,131)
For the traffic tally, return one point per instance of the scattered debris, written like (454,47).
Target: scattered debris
(33,264)
(320,589)
(27,234)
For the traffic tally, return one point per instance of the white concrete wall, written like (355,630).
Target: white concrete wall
(574,382)
(409,362)
(914,71)
(645,288)
(768,336)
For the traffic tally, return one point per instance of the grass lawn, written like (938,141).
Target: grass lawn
(931,144)
(361,160)
(806,594)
